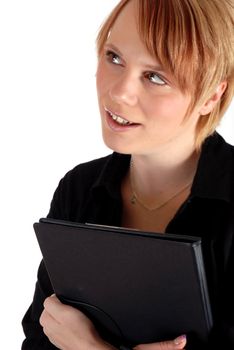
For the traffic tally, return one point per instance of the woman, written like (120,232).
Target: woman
(165,77)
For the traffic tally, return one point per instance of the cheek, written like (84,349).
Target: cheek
(98,78)
(167,108)
(101,79)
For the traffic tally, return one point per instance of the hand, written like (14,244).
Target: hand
(176,344)
(68,328)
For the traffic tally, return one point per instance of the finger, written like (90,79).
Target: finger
(51,328)
(50,335)
(46,319)
(176,344)
(53,306)
(63,314)
(180,341)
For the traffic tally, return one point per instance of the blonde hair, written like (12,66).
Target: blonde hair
(194,41)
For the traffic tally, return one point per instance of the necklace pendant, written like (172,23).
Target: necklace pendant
(133,199)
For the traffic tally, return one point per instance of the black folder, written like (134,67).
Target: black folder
(137,287)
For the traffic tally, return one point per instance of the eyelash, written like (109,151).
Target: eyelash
(161,81)
(111,56)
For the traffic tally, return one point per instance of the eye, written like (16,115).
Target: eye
(155,78)
(113,57)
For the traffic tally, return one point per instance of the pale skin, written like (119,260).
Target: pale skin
(162,147)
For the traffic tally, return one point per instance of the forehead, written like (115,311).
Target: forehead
(124,35)
(126,17)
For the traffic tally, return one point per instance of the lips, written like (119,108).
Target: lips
(118,119)
(118,122)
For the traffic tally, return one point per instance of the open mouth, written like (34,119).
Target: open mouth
(119,120)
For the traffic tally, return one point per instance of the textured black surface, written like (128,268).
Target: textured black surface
(139,287)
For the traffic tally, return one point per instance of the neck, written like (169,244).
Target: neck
(154,174)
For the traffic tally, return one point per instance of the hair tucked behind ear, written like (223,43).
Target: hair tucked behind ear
(194,41)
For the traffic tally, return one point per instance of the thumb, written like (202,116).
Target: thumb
(176,344)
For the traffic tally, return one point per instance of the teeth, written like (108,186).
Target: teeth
(118,119)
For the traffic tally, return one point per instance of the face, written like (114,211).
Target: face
(142,109)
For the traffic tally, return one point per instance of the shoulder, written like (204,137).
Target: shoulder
(217,154)
(93,173)
(217,143)
(85,174)
(89,171)
(76,188)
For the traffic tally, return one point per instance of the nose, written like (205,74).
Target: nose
(124,90)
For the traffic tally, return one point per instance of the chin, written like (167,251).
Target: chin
(118,147)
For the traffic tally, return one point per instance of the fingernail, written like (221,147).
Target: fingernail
(180,339)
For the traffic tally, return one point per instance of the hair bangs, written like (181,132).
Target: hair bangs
(170,33)
(107,25)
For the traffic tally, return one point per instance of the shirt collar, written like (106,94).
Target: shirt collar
(215,171)
(111,175)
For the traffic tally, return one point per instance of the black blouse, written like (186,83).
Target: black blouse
(91,193)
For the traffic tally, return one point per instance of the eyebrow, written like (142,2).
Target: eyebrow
(147,66)
(113,47)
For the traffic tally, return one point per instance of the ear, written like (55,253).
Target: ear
(209,105)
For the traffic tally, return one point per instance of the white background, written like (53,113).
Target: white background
(49,123)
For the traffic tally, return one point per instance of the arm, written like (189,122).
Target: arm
(68,203)
(34,336)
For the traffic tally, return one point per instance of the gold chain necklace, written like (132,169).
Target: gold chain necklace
(135,199)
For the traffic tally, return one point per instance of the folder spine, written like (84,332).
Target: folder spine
(204,288)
